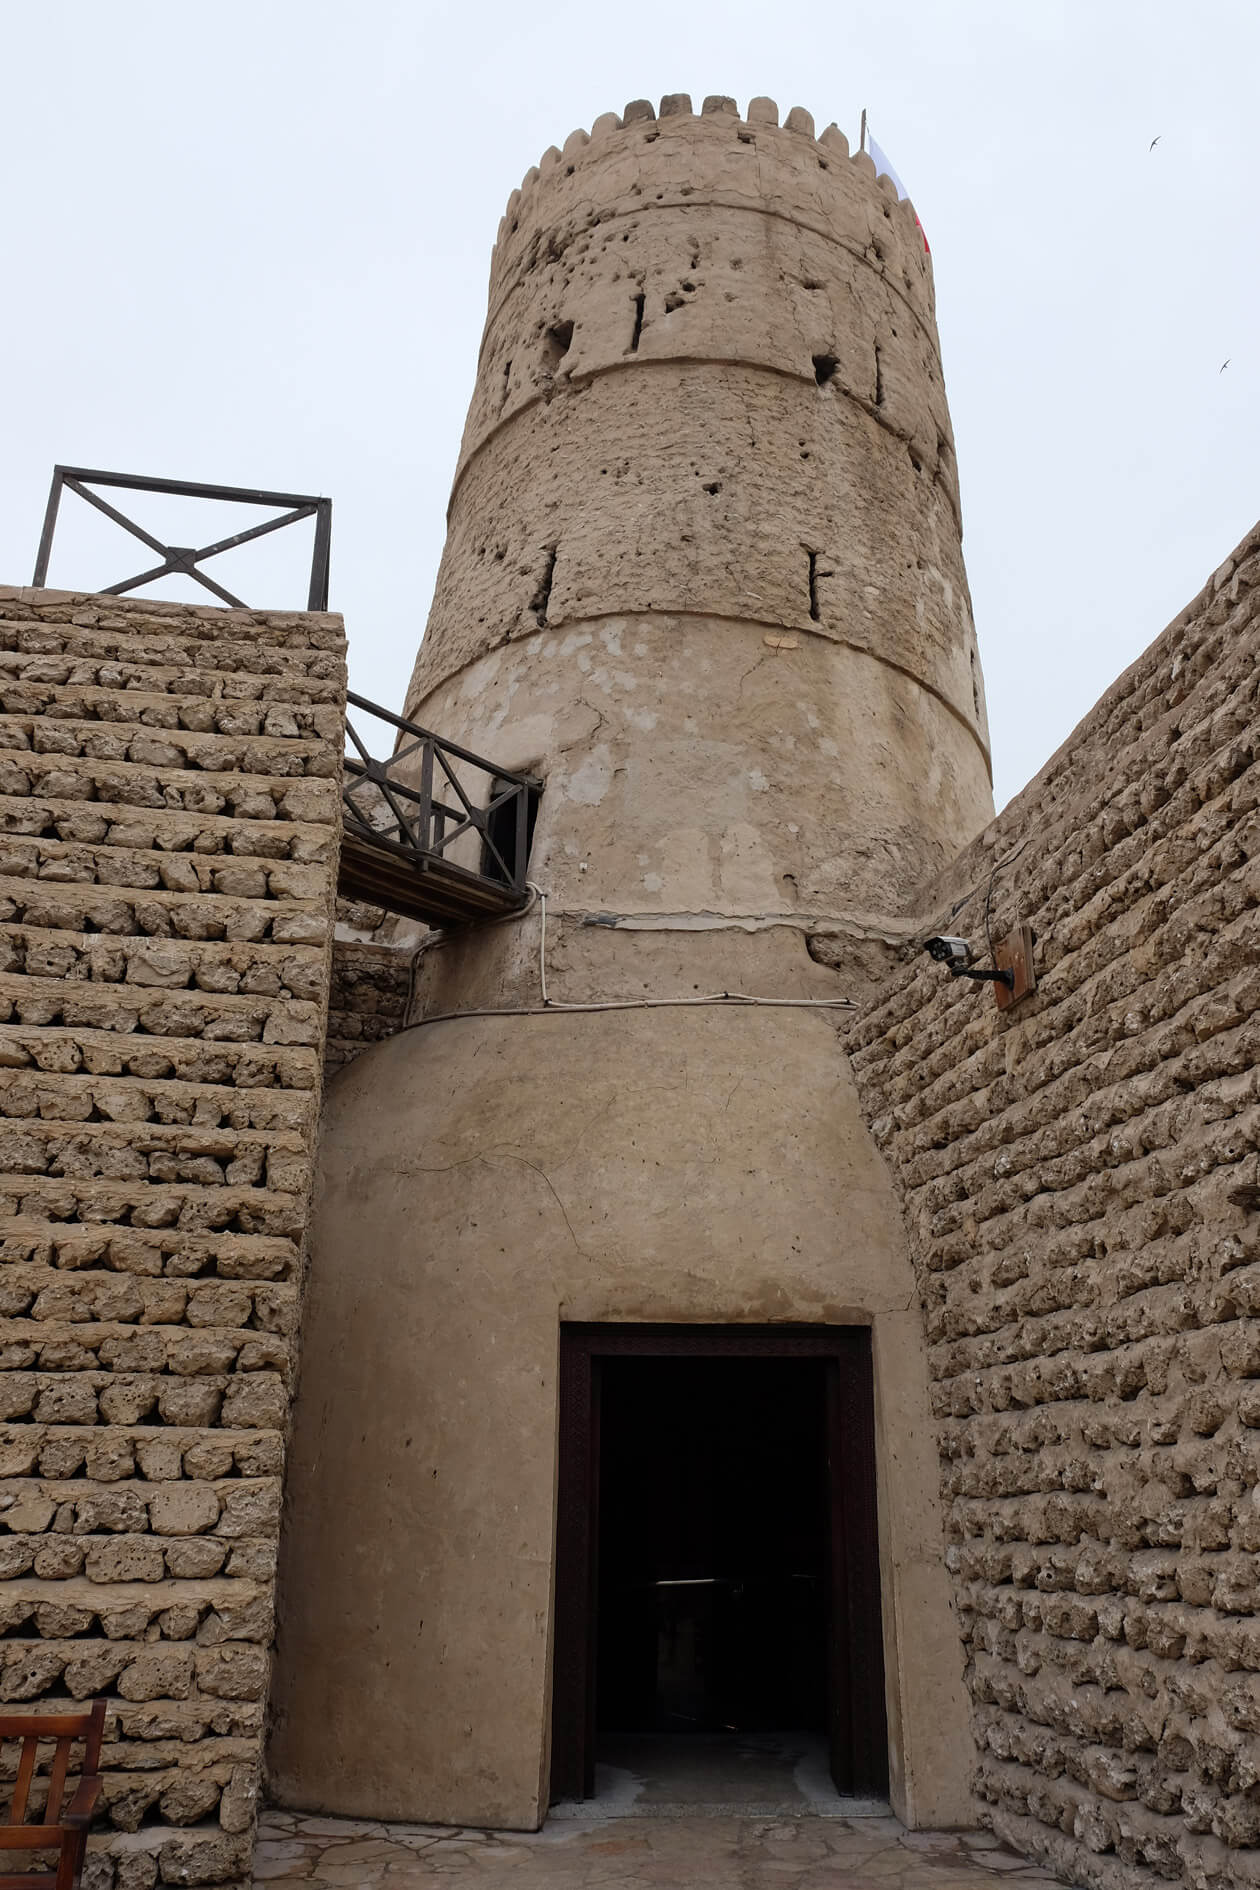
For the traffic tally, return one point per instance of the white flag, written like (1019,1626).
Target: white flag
(884,169)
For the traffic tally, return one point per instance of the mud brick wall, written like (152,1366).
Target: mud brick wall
(169,825)
(1080,1179)
(371,982)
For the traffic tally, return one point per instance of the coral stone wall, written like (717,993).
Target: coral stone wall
(372,957)
(368,1001)
(1081,1185)
(169,824)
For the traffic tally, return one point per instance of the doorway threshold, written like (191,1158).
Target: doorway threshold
(715,1775)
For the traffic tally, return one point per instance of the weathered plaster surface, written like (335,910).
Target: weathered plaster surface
(710,383)
(696,765)
(482,1180)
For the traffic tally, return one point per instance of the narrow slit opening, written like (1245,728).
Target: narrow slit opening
(640,302)
(814,612)
(542,594)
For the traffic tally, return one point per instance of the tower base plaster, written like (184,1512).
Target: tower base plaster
(705,1166)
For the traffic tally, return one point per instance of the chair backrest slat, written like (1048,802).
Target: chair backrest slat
(57,1781)
(65,1729)
(92,1739)
(26,1768)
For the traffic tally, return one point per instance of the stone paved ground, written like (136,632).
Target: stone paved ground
(637,1853)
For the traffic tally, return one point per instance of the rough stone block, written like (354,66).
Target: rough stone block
(183,1509)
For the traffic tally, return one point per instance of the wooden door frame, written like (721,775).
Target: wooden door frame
(855,1632)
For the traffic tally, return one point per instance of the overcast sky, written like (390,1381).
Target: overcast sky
(246,242)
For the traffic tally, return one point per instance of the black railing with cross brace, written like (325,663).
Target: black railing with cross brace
(406,818)
(183,560)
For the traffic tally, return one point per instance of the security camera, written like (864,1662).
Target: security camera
(954,952)
(955,955)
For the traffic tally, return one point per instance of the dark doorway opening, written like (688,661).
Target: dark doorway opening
(712,1553)
(510,821)
(717,1563)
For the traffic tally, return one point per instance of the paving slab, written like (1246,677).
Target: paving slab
(608,1851)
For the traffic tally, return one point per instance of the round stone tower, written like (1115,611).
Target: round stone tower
(703,579)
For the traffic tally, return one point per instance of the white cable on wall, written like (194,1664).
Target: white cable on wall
(859,925)
(552,1006)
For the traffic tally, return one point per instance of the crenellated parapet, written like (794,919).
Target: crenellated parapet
(640,242)
(792,148)
(710,387)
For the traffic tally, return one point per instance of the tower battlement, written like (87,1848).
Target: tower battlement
(710,383)
(711,237)
(793,145)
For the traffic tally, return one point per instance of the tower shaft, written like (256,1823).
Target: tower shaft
(703,577)
(704,568)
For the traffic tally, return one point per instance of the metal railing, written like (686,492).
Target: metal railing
(434,832)
(183,560)
(406,818)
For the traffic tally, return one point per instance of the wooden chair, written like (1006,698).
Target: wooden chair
(50,1828)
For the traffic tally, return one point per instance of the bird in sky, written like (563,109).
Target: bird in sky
(1151,146)
(1225,363)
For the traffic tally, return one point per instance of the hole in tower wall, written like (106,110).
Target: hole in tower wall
(975,682)
(825,366)
(542,595)
(879,379)
(640,302)
(507,382)
(557,343)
